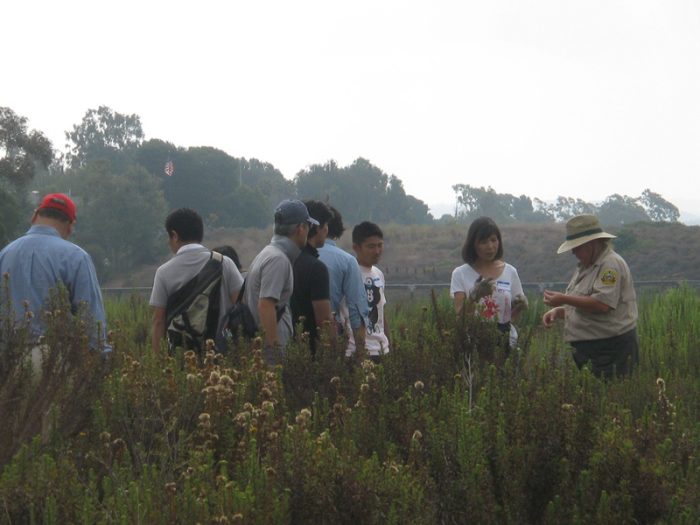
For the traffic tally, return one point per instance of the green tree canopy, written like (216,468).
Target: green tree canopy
(102,134)
(657,208)
(22,151)
(361,191)
(120,215)
(617,210)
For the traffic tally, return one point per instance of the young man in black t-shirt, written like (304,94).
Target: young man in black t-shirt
(311,296)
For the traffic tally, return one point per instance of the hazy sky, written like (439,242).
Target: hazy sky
(542,98)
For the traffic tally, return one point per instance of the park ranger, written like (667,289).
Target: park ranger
(599,306)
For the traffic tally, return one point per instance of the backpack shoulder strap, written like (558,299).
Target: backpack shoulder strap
(183,297)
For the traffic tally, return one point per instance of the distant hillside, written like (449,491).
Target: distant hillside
(428,254)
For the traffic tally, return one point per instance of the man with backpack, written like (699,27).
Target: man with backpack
(194,290)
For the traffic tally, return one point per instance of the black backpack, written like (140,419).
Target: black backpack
(192,312)
(240,320)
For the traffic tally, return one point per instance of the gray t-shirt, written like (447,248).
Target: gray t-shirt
(271,276)
(188,262)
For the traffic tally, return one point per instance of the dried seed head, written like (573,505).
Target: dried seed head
(418,385)
(335,380)
(417,435)
(364,387)
(170,488)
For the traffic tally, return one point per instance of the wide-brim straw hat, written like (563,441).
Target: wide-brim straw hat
(580,230)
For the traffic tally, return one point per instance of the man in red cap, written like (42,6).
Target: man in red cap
(43,258)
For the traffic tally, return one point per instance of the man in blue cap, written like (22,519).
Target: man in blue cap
(270,279)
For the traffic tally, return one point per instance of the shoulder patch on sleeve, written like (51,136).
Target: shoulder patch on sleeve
(608,277)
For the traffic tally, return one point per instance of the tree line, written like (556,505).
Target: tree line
(615,210)
(123,189)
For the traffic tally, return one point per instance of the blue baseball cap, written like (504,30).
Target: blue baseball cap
(293,211)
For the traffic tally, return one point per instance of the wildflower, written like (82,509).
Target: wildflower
(270,471)
(247,406)
(191,377)
(661,384)
(273,436)
(214,377)
(204,417)
(306,413)
(170,488)
(364,387)
(567,407)
(418,385)
(226,380)
(417,435)
(268,406)
(105,437)
(29,315)
(266,392)
(335,380)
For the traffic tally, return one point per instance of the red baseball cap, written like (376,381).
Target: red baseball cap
(60,202)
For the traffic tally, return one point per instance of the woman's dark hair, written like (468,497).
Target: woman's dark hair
(335,225)
(187,223)
(230,252)
(482,228)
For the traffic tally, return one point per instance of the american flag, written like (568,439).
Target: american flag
(169,168)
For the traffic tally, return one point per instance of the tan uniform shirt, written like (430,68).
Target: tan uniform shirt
(609,281)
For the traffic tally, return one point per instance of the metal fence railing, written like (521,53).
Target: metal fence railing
(413,288)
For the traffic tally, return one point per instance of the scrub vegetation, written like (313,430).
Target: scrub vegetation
(445,430)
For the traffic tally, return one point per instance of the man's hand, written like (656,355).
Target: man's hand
(482,288)
(554,299)
(552,315)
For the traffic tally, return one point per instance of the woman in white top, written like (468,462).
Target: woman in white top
(486,280)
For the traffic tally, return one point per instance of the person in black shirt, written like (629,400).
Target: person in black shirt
(311,295)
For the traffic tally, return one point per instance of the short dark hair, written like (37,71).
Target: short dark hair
(335,225)
(319,211)
(53,213)
(480,229)
(230,252)
(364,231)
(187,223)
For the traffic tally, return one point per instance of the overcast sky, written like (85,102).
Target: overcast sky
(543,98)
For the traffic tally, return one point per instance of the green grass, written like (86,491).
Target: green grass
(445,430)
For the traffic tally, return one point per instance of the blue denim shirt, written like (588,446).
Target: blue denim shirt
(346,281)
(40,260)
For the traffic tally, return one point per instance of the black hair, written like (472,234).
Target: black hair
(53,213)
(230,252)
(319,211)
(482,228)
(187,223)
(364,231)
(335,225)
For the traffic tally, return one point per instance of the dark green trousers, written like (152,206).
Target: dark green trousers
(609,357)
